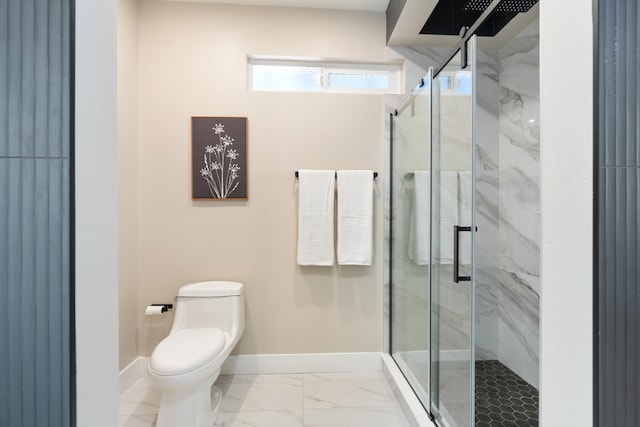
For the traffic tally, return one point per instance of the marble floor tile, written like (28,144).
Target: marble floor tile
(293,379)
(347,376)
(291,400)
(139,420)
(260,419)
(355,417)
(140,398)
(348,394)
(261,396)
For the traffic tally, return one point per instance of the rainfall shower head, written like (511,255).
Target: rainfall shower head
(450,15)
(517,6)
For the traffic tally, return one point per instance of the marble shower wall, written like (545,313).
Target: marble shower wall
(519,205)
(487,201)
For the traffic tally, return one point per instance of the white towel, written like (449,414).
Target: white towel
(448,210)
(419,225)
(355,217)
(316,195)
(464,215)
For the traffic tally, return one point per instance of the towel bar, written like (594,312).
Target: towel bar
(375,175)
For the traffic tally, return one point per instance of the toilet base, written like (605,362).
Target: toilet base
(195,408)
(216,401)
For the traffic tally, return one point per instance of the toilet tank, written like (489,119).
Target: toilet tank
(213,304)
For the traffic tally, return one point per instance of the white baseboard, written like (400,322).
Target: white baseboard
(273,364)
(301,363)
(131,374)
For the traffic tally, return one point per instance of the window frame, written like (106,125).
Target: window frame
(393,70)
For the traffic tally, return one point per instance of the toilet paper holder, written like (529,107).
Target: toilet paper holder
(165,307)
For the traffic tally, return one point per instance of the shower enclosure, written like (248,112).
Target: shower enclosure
(463,323)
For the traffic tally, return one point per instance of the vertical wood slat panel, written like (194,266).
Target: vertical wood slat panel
(4,72)
(631,277)
(43,188)
(608,298)
(60,300)
(35,90)
(619,213)
(28,333)
(55,87)
(636,278)
(631,83)
(27,78)
(607,150)
(64,11)
(619,92)
(4,291)
(636,43)
(13,82)
(14,294)
(619,288)
(41,62)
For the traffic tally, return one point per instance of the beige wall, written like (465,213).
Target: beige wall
(127,179)
(192,60)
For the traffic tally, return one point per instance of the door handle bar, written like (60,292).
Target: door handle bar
(456,256)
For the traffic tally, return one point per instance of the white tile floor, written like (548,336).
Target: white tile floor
(292,400)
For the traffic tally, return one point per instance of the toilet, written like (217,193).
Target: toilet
(209,321)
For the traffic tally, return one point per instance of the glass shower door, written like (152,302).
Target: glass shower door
(452,280)
(410,239)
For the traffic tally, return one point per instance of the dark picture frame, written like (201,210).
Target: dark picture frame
(219,158)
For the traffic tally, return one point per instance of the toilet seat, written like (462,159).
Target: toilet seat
(186,350)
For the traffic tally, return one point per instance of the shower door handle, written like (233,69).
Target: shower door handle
(456,256)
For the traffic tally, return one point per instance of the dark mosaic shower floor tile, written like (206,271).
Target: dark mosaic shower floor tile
(503,398)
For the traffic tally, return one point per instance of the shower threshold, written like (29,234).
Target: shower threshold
(502,397)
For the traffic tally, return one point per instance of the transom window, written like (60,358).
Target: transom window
(306,75)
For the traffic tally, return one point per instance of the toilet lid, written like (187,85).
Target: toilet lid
(186,350)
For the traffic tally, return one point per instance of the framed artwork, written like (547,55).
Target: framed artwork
(219,158)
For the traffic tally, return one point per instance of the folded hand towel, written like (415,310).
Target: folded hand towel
(419,226)
(355,217)
(315,217)
(464,215)
(448,213)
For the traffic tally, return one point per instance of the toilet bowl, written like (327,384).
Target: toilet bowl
(209,320)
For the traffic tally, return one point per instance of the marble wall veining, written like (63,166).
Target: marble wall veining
(487,204)
(519,205)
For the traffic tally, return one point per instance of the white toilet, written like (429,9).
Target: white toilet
(209,320)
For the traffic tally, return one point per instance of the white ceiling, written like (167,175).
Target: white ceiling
(407,30)
(370,5)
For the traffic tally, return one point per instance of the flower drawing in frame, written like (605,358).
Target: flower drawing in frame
(219,157)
